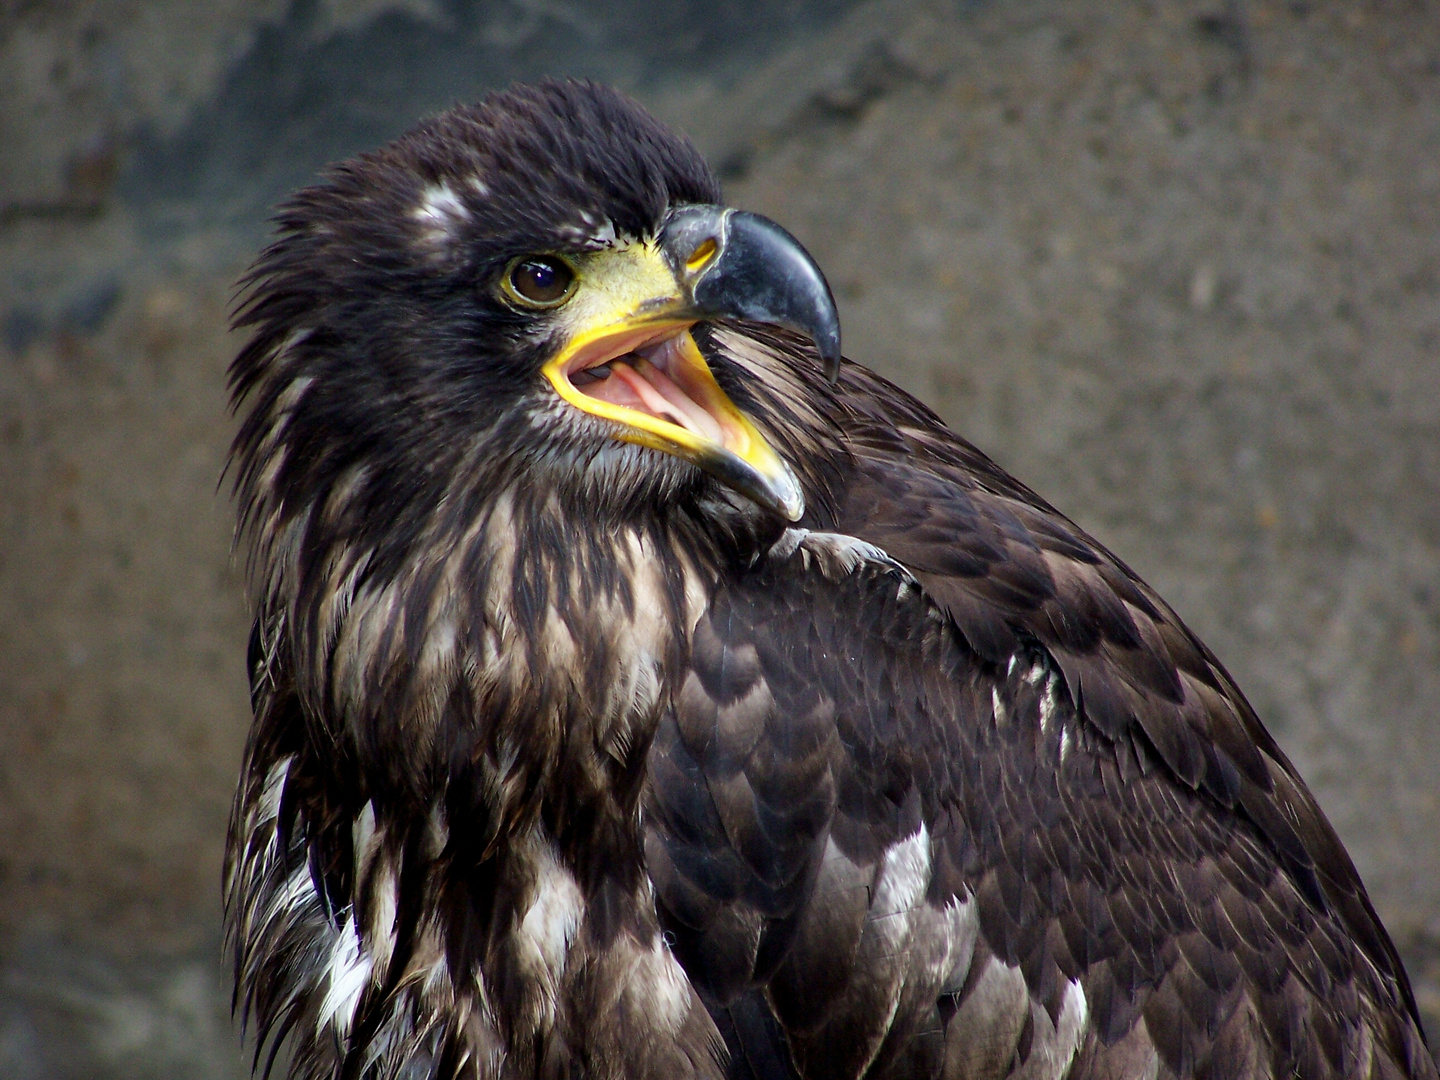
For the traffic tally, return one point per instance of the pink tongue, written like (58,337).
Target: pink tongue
(647,389)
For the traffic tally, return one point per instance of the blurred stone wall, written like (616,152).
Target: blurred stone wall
(1175,264)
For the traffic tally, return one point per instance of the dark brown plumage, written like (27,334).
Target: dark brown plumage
(606,728)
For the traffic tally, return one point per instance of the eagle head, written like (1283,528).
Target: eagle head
(511,294)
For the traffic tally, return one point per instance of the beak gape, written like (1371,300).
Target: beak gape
(636,364)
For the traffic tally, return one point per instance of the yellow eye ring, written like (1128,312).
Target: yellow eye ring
(538,281)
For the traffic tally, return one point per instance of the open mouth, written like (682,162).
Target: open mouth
(661,375)
(650,380)
(655,386)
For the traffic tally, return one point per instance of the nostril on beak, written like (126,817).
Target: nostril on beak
(701,256)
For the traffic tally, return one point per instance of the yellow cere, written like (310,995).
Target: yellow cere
(623,283)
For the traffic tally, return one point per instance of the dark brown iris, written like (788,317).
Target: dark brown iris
(541,280)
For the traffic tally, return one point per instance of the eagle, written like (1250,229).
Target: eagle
(643,690)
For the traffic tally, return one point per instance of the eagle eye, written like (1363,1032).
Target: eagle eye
(539,281)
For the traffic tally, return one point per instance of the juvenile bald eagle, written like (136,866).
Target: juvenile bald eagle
(634,701)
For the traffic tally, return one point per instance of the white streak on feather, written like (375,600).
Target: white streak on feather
(270,471)
(346,570)
(268,448)
(440,213)
(604,233)
(362,834)
(554,915)
(593,232)
(426,968)
(377,876)
(897,897)
(346,974)
(299,891)
(268,807)
(383,907)
(371,611)
(437,833)
(287,399)
(659,988)
(904,876)
(344,491)
(1050,701)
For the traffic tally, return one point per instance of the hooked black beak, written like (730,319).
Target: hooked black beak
(743,266)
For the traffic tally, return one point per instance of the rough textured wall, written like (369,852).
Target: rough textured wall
(1177,265)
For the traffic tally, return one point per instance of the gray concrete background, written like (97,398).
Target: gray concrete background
(1175,264)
